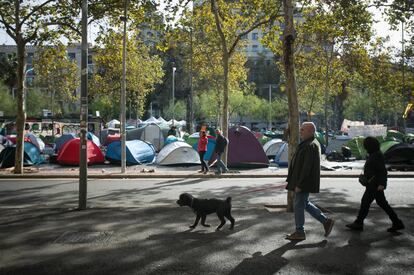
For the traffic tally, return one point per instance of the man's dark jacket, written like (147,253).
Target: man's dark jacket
(221,143)
(374,169)
(305,168)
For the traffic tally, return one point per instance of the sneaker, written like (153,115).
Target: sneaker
(355,226)
(396,226)
(296,236)
(328,226)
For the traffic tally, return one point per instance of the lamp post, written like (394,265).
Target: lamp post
(83,168)
(123,92)
(173,91)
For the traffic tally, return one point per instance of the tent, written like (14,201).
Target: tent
(395,134)
(162,120)
(210,148)
(175,122)
(386,145)
(105,133)
(114,124)
(193,138)
(60,141)
(272,147)
(93,138)
(137,152)
(36,141)
(282,155)
(244,149)
(151,120)
(69,154)
(151,133)
(31,156)
(171,139)
(357,147)
(176,153)
(402,153)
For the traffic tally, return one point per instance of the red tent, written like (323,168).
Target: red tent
(69,154)
(111,138)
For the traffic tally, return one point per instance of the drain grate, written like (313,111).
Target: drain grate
(76,237)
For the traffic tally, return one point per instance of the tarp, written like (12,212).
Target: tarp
(346,124)
(357,147)
(151,133)
(60,141)
(137,152)
(395,134)
(171,139)
(272,147)
(210,148)
(93,138)
(177,153)
(244,149)
(31,156)
(386,145)
(36,141)
(402,153)
(69,154)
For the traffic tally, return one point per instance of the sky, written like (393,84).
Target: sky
(381,28)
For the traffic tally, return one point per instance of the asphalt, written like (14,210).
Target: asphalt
(154,238)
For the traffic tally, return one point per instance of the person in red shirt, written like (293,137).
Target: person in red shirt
(202,149)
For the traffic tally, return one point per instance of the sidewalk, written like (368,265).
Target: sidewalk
(155,239)
(153,171)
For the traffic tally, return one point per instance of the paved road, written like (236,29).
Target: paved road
(135,227)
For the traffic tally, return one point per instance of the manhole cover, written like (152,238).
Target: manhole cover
(84,237)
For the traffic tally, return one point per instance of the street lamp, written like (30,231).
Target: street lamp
(173,90)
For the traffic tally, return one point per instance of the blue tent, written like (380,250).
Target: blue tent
(93,138)
(210,148)
(137,152)
(171,139)
(31,156)
(60,141)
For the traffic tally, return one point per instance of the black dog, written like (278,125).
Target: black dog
(203,207)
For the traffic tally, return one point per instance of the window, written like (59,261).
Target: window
(244,37)
(90,59)
(29,58)
(72,56)
(255,36)
(254,48)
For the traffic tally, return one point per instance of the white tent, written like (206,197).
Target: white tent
(151,133)
(177,152)
(175,122)
(36,141)
(161,120)
(282,156)
(272,147)
(114,124)
(182,122)
(151,120)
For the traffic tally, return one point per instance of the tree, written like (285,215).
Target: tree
(144,70)
(8,67)
(56,74)
(7,105)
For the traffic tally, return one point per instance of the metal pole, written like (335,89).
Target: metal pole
(173,91)
(123,93)
(83,168)
(270,107)
(403,57)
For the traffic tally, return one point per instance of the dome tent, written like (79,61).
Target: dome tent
(137,152)
(69,154)
(177,153)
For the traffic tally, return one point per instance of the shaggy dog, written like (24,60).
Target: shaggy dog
(203,207)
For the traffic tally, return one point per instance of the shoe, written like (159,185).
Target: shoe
(205,172)
(200,171)
(296,236)
(396,226)
(328,226)
(355,226)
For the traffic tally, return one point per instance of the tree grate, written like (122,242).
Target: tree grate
(72,237)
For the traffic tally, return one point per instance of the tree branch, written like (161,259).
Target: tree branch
(35,9)
(9,29)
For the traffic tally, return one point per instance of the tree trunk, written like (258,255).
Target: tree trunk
(21,108)
(289,66)
(225,127)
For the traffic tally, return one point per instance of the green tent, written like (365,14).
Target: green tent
(409,138)
(387,145)
(395,134)
(263,139)
(320,137)
(357,147)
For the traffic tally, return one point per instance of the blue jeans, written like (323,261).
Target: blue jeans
(302,203)
(221,167)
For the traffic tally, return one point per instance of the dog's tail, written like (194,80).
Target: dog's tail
(228,200)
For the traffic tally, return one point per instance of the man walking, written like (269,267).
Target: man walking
(221,143)
(304,178)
